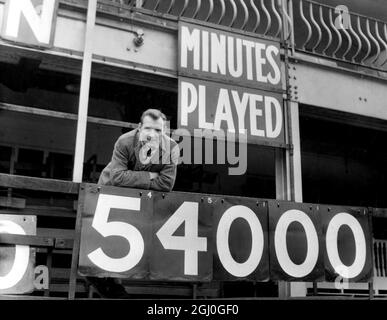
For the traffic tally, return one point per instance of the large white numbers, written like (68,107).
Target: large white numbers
(225,222)
(190,243)
(115,228)
(284,260)
(337,221)
(22,256)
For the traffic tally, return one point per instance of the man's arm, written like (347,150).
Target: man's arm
(120,176)
(167,176)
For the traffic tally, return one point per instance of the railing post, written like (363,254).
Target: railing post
(84,93)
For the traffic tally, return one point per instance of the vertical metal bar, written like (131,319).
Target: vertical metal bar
(296,154)
(288,27)
(316,25)
(170,6)
(12,161)
(76,245)
(303,45)
(246,12)
(365,39)
(84,93)
(194,291)
(222,11)
(234,14)
(359,44)
(371,282)
(380,39)
(210,10)
(140,3)
(255,9)
(315,288)
(184,8)
(385,36)
(336,31)
(349,42)
(49,267)
(383,256)
(376,261)
(324,50)
(292,38)
(157,5)
(267,16)
(275,11)
(198,5)
(368,29)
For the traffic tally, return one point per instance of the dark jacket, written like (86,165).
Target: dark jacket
(126,170)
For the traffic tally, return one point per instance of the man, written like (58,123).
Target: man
(144,158)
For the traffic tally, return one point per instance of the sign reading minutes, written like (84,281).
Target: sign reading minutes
(230,82)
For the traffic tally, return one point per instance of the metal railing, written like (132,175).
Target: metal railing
(263,17)
(257,16)
(308,26)
(380,258)
(336,33)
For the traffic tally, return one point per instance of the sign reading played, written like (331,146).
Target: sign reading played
(230,82)
(142,234)
(30,22)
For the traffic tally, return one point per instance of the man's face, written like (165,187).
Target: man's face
(151,130)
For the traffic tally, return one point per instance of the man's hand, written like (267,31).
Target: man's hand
(153,175)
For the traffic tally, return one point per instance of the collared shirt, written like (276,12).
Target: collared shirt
(126,170)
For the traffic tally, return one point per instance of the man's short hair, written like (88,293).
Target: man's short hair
(154,114)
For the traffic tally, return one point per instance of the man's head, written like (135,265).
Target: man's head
(152,126)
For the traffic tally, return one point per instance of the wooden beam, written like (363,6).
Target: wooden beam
(17,239)
(41,184)
(10,202)
(66,116)
(84,94)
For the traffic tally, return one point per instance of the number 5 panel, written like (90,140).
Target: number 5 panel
(115,237)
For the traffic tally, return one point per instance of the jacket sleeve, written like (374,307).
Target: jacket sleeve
(120,176)
(167,176)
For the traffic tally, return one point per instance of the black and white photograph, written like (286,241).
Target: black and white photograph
(192,159)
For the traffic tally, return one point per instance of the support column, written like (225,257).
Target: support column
(297,289)
(84,92)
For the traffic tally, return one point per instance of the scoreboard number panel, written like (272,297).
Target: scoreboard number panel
(181,238)
(148,235)
(115,237)
(348,244)
(241,240)
(295,242)
(17,262)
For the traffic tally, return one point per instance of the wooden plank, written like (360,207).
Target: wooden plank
(76,247)
(26,240)
(11,202)
(64,115)
(379,212)
(41,184)
(61,243)
(56,233)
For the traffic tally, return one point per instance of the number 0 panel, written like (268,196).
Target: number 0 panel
(241,248)
(296,246)
(124,231)
(351,244)
(17,277)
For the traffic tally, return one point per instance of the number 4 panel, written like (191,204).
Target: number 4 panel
(181,238)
